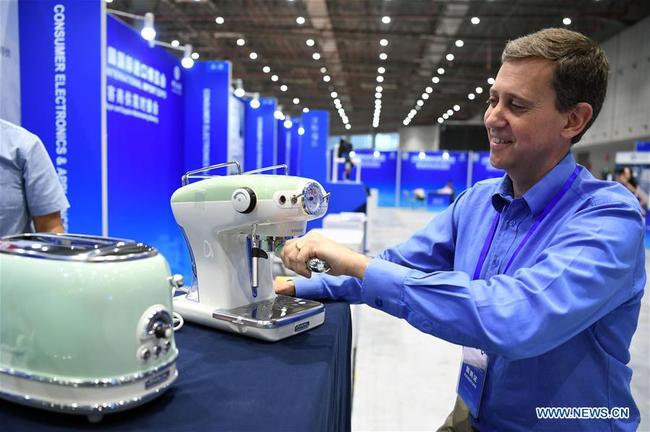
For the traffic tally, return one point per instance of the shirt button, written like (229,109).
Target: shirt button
(513,223)
(379,302)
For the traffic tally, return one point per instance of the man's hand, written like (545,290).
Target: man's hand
(284,287)
(343,261)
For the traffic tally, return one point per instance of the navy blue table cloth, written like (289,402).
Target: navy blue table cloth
(231,383)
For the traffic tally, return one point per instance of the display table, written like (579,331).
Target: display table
(231,383)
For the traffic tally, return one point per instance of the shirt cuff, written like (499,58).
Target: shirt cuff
(311,288)
(383,286)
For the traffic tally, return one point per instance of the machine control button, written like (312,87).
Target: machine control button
(145,354)
(168,346)
(244,200)
(156,350)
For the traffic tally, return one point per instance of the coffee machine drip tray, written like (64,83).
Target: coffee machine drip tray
(272,319)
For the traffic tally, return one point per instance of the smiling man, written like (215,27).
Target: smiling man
(538,275)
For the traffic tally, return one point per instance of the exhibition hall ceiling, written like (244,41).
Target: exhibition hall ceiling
(333,54)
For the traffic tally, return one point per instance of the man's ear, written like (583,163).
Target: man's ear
(579,116)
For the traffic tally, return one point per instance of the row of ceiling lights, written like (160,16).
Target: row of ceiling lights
(435,79)
(383,56)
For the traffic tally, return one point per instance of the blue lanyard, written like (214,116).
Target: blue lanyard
(538,220)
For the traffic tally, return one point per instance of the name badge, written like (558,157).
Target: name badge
(472,378)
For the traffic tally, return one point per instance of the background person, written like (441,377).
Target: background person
(31,197)
(530,273)
(344,150)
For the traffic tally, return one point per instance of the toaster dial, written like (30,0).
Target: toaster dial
(155,331)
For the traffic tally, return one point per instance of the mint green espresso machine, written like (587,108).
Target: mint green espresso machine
(233,225)
(85,323)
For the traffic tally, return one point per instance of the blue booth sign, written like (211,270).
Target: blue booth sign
(379,171)
(260,137)
(61,99)
(145,104)
(313,149)
(207,103)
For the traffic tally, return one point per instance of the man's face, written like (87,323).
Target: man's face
(522,121)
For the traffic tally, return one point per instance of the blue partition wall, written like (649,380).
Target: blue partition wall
(379,171)
(61,95)
(429,172)
(482,168)
(145,104)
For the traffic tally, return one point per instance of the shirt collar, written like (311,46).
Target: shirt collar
(541,193)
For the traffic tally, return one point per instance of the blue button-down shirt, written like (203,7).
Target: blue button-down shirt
(556,326)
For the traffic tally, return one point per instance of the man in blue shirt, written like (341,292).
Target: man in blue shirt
(31,196)
(538,275)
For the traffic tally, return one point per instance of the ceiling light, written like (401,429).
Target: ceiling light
(383,56)
(278,113)
(383,42)
(300,20)
(241,42)
(425,96)
(187,61)
(274,78)
(301,131)
(479,90)
(253,55)
(266,69)
(441,120)
(428,89)
(459,43)
(283,88)
(296,101)
(323,69)
(326,78)
(315,56)
(456,108)
(381,69)
(490,80)
(288,123)
(239,88)
(380,79)
(195,56)
(219,20)
(420,102)
(379,89)
(310,42)
(417,108)
(348,126)
(334,95)
(255,102)
(305,110)
(449,57)
(148,32)
(378,95)
(450,112)
(475,20)
(471,96)
(175,43)
(566,21)
(445,116)
(435,80)
(441,71)
(385,19)
(422,155)
(337,102)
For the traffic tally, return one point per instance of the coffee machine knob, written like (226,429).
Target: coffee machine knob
(244,200)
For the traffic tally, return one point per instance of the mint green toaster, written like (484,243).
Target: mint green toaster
(85,323)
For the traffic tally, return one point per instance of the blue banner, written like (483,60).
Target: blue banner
(378,171)
(207,94)
(432,179)
(145,103)
(61,98)
(289,143)
(260,137)
(482,168)
(313,149)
